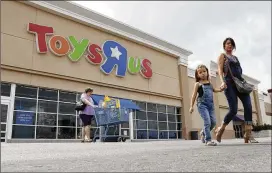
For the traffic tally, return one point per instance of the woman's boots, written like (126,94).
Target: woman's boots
(248,135)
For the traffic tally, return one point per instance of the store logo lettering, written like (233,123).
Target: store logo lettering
(115,54)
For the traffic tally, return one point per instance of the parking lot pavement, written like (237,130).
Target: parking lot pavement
(159,156)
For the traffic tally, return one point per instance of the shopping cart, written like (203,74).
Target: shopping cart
(110,118)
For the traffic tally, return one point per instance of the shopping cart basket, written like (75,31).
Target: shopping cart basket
(108,118)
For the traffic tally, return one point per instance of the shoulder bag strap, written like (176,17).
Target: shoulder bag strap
(229,68)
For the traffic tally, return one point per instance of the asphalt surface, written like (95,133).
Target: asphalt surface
(160,156)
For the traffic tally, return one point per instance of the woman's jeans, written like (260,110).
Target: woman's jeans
(232,93)
(206,111)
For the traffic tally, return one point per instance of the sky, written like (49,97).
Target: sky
(201,27)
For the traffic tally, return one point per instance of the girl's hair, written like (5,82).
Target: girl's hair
(231,41)
(196,75)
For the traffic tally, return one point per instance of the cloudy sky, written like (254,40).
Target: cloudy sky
(201,27)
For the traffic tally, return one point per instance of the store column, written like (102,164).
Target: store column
(213,75)
(185,102)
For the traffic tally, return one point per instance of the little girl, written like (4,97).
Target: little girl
(205,105)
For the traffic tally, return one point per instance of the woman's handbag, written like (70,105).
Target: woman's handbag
(241,85)
(80,106)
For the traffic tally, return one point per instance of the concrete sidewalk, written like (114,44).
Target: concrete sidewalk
(169,156)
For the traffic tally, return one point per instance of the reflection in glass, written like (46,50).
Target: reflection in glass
(5,89)
(47,106)
(162,125)
(26,91)
(153,125)
(67,96)
(4,112)
(67,108)
(172,126)
(171,109)
(152,116)
(178,118)
(178,110)
(161,108)
(171,118)
(151,107)
(23,131)
(163,135)
(141,124)
(162,117)
(172,135)
(125,132)
(179,134)
(140,115)
(47,119)
(48,94)
(67,120)
(141,134)
(153,134)
(3,127)
(66,133)
(178,126)
(125,125)
(25,104)
(46,132)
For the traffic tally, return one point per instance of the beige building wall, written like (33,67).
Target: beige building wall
(48,70)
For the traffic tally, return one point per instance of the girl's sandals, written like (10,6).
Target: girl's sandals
(211,143)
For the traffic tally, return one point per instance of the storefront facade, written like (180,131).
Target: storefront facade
(52,51)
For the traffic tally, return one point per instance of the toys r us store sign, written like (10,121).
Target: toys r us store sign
(109,55)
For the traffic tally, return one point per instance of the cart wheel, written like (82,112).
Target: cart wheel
(119,139)
(124,139)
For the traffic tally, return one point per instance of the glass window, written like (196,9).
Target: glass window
(46,133)
(5,89)
(48,94)
(153,125)
(26,118)
(67,120)
(151,107)
(152,134)
(161,108)
(47,106)
(140,115)
(23,131)
(171,109)
(163,135)
(3,127)
(179,134)
(162,117)
(162,125)
(172,126)
(171,118)
(179,126)
(152,116)
(141,124)
(125,125)
(26,91)
(178,118)
(142,105)
(66,133)
(47,119)
(172,135)
(67,108)
(4,112)
(25,104)
(178,111)
(67,96)
(78,96)
(141,134)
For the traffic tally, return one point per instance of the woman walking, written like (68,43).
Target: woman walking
(87,114)
(228,66)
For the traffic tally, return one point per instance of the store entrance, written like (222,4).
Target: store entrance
(4,116)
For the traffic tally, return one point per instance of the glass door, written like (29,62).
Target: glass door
(4,113)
